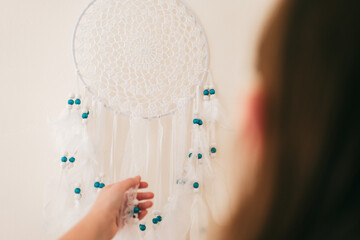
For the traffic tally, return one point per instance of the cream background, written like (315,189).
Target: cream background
(36,74)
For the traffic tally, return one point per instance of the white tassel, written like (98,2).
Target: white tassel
(199,219)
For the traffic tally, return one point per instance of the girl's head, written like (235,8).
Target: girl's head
(308,179)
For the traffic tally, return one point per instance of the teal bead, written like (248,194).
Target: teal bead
(64,159)
(159,218)
(196,185)
(213,150)
(85,115)
(101,185)
(136,209)
(72,159)
(71,102)
(198,121)
(199,156)
(77,190)
(190,154)
(155,220)
(96,184)
(142,227)
(212,91)
(206,92)
(77,101)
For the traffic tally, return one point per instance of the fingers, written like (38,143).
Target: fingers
(145,205)
(142,214)
(144,196)
(128,183)
(143,185)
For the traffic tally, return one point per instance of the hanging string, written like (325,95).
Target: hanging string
(148,140)
(173,152)
(196,106)
(158,199)
(112,169)
(100,134)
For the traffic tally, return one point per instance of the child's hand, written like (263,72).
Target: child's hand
(102,220)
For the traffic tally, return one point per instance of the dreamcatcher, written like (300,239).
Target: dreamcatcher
(144,64)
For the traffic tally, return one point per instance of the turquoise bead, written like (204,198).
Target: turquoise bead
(85,115)
(71,102)
(142,227)
(101,185)
(77,101)
(64,159)
(72,159)
(212,91)
(198,121)
(96,184)
(155,220)
(199,156)
(190,154)
(196,185)
(206,92)
(77,190)
(136,209)
(213,150)
(159,218)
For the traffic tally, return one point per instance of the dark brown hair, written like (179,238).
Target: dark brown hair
(309,182)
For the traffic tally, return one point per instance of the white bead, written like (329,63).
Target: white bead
(78,96)
(206,98)
(71,95)
(136,202)
(77,185)
(196,190)
(77,196)
(84,121)
(70,165)
(69,106)
(102,175)
(63,165)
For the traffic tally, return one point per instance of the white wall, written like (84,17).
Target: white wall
(36,73)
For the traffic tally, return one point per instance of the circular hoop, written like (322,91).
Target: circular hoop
(147,54)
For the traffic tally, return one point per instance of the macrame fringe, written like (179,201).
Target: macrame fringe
(197,181)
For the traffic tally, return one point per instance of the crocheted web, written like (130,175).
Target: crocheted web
(140,57)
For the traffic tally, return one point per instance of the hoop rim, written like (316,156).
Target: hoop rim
(117,112)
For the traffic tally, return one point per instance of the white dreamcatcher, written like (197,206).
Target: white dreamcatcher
(144,63)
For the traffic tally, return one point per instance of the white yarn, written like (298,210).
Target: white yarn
(140,57)
(144,59)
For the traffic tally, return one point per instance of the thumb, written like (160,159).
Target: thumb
(129,183)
